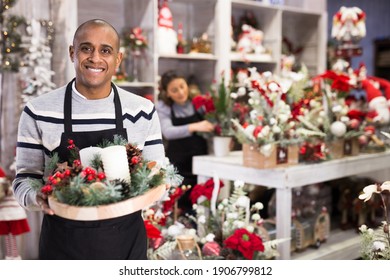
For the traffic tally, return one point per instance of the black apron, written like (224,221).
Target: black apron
(112,239)
(180,153)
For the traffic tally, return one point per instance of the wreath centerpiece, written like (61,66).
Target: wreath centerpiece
(103,182)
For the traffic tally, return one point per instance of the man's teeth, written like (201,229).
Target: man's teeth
(95,70)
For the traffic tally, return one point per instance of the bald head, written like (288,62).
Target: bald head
(95,23)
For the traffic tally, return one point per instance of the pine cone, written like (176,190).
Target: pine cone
(227,254)
(125,190)
(134,156)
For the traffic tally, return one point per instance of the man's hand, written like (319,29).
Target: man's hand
(43,203)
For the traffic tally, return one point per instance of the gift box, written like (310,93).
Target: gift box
(102,212)
(279,156)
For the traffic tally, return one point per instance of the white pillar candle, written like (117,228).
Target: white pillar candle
(88,154)
(115,163)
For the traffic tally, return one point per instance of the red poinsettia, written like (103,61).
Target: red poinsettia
(151,230)
(205,189)
(245,242)
(340,82)
(203,103)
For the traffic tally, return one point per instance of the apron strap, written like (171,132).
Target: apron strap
(118,108)
(68,108)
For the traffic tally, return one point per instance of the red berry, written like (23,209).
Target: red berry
(90,177)
(101,176)
(47,189)
(134,160)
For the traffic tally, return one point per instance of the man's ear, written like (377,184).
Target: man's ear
(71,53)
(119,59)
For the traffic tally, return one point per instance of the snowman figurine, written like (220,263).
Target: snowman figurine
(166,36)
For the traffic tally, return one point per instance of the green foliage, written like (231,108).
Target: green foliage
(52,165)
(143,179)
(223,109)
(118,140)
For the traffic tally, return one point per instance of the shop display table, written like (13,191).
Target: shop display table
(285,179)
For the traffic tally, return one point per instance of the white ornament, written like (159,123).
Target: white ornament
(338,128)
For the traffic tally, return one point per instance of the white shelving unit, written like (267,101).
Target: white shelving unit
(285,179)
(304,25)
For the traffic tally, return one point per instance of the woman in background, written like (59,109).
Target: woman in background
(180,123)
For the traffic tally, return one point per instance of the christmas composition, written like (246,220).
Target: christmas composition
(109,180)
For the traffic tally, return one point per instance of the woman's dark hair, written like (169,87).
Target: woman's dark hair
(166,78)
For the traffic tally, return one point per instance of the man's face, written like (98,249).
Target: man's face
(96,56)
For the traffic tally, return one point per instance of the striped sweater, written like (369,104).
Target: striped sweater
(42,123)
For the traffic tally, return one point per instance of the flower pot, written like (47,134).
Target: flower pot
(102,212)
(188,248)
(336,148)
(221,145)
(278,156)
(351,147)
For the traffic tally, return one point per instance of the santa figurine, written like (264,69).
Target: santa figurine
(377,95)
(166,36)
(13,219)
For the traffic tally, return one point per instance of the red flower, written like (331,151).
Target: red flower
(205,189)
(257,130)
(245,242)
(151,230)
(168,205)
(203,103)
(340,82)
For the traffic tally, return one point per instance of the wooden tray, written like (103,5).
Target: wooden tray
(102,212)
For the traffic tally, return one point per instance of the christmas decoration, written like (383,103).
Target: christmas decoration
(166,36)
(226,229)
(270,119)
(35,69)
(135,40)
(11,34)
(375,243)
(90,185)
(182,43)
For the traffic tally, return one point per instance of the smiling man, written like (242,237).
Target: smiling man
(87,111)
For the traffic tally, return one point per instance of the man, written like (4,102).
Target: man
(88,110)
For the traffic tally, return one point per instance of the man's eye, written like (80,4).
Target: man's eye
(106,51)
(86,49)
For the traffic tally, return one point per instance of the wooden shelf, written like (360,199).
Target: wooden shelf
(252,58)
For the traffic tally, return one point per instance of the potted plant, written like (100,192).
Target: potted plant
(217,107)
(268,134)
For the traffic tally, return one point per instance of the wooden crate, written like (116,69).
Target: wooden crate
(279,157)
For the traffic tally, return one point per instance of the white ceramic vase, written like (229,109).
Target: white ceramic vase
(221,145)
